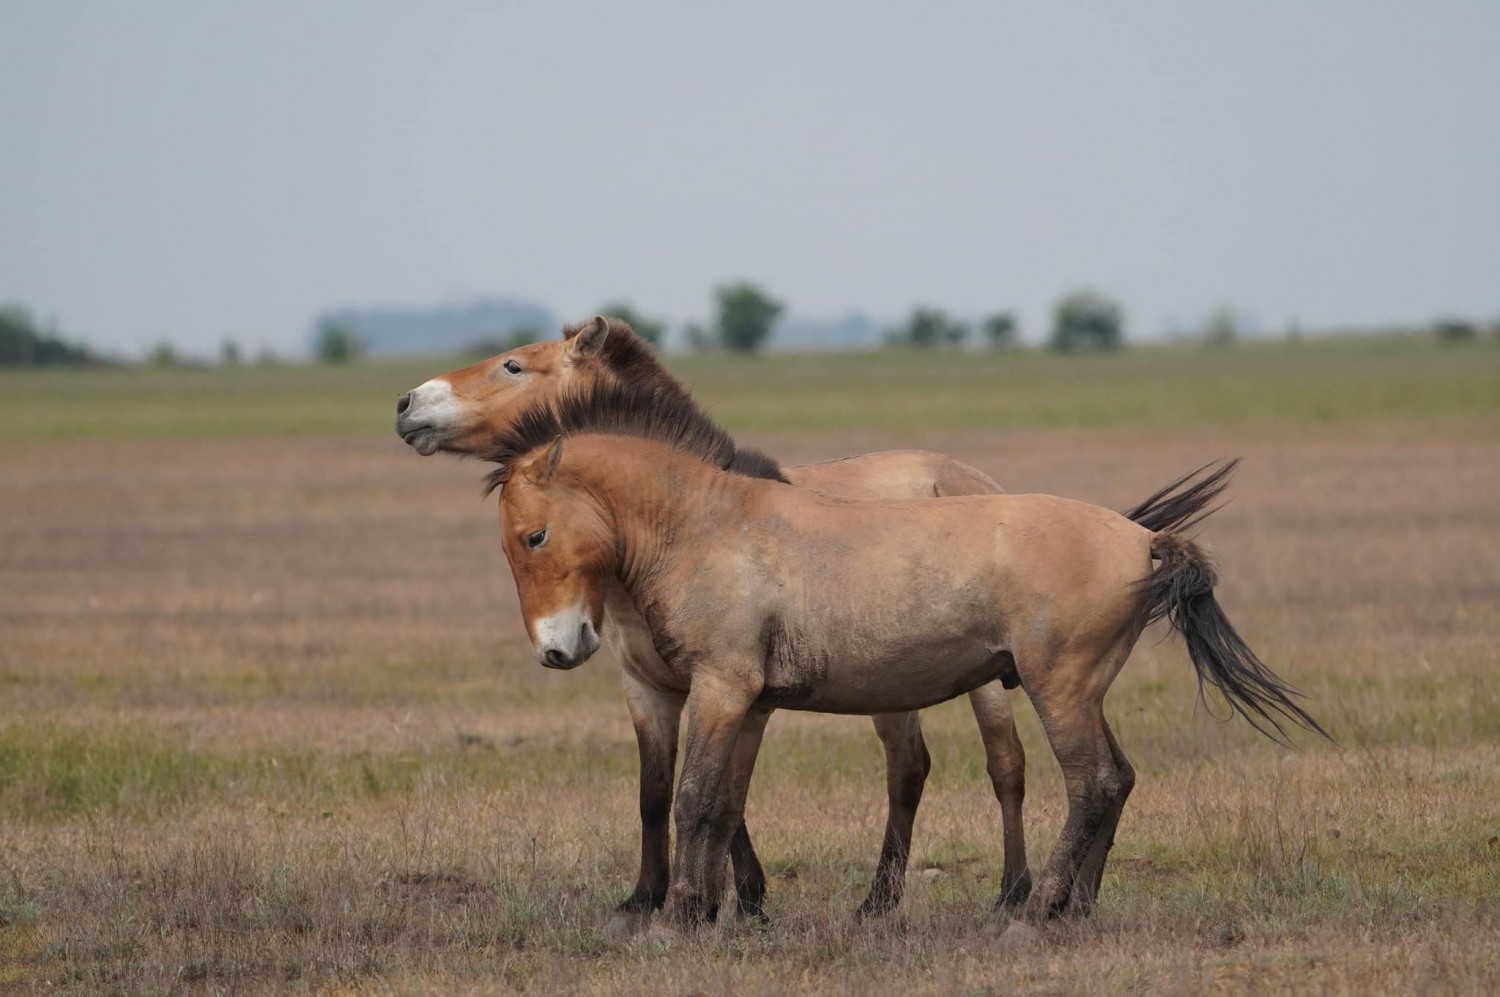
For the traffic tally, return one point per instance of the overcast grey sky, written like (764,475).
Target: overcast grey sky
(191,170)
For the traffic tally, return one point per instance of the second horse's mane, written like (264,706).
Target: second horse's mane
(645,409)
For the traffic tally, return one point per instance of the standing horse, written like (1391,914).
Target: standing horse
(466,411)
(760,596)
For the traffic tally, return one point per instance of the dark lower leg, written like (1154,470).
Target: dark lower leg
(1091,874)
(1005,761)
(1054,887)
(1076,733)
(906,766)
(655,720)
(705,811)
(749,877)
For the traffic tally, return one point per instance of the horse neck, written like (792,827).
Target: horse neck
(652,499)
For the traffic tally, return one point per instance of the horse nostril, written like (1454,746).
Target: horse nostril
(556,658)
(403,403)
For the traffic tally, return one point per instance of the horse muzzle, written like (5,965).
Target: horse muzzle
(565,641)
(427,415)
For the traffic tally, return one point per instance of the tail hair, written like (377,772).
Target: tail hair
(1185,502)
(1181,590)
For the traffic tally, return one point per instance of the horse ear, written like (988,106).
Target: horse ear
(590,341)
(554,455)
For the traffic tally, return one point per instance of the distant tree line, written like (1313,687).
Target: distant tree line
(26,343)
(928,328)
(1083,320)
(745,315)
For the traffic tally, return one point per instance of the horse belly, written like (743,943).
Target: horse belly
(882,642)
(895,678)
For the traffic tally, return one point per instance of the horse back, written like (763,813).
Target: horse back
(893,474)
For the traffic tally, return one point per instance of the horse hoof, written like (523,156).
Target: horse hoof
(1019,936)
(1014,896)
(625,925)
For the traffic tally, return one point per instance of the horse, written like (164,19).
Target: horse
(467,410)
(761,596)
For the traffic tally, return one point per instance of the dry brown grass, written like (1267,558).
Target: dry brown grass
(269,722)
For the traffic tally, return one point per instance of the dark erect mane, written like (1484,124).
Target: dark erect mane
(628,356)
(643,410)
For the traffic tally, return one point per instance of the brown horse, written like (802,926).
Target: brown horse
(467,411)
(761,596)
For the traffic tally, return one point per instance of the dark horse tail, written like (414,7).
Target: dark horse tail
(1181,590)
(1185,502)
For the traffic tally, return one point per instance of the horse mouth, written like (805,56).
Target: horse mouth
(425,440)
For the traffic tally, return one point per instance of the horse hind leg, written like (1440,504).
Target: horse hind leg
(1069,699)
(907,763)
(1091,874)
(1005,761)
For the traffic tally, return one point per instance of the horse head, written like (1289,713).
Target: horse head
(561,553)
(464,410)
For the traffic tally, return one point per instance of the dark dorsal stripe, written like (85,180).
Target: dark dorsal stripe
(646,410)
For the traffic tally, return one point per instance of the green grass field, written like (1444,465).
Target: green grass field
(1307,382)
(269,721)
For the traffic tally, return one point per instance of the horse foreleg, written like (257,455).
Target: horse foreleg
(705,811)
(1005,760)
(749,877)
(655,716)
(906,766)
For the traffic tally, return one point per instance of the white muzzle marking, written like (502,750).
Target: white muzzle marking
(431,416)
(565,640)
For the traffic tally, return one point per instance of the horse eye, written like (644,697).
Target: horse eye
(511,367)
(536,539)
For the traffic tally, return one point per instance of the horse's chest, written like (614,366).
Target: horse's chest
(630,640)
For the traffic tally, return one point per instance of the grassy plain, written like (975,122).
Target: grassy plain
(268,720)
